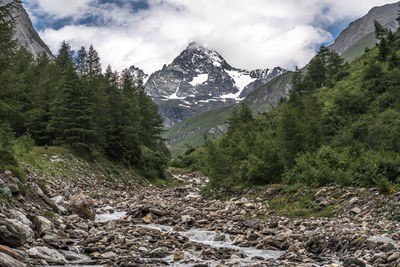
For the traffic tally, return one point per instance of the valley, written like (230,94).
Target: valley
(200,163)
(177,226)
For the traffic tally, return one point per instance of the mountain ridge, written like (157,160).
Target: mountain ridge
(198,80)
(358,29)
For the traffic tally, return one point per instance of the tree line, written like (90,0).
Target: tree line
(69,101)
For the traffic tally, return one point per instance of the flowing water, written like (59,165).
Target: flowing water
(209,238)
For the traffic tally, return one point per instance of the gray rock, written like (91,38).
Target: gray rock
(42,224)
(58,199)
(14,233)
(220,238)
(356,210)
(353,200)
(47,254)
(8,261)
(83,206)
(157,212)
(19,216)
(109,255)
(187,219)
(394,257)
(351,262)
(373,242)
(72,256)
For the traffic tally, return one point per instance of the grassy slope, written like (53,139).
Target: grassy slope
(59,163)
(359,48)
(274,85)
(201,125)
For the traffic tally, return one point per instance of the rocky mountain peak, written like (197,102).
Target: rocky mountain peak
(198,80)
(26,35)
(198,57)
(361,31)
(138,75)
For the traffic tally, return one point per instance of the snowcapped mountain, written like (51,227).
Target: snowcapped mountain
(138,75)
(199,80)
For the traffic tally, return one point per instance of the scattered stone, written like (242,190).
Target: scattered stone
(381,240)
(83,206)
(148,218)
(14,233)
(394,257)
(353,200)
(11,252)
(42,224)
(353,262)
(19,216)
(47,254)
(356,210)
(8,261)
(187,219)
(157,212)
(178,255)
(109,255)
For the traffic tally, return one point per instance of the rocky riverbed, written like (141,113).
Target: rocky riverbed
(148,226)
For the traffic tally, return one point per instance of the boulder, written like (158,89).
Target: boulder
(109,255)
(356,210)
(36,193)
(179,255)
(4,188)
(352,262)
(8,261)
(14,233)
(157,211)
(373,242)
(47,254)
(42,224)
(19,216)
(11,252)
(83,206)
(187,219)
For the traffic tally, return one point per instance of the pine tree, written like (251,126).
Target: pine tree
(93,64)
(81,62)
(64,57)
(380,31)
(317,71)
(72,114)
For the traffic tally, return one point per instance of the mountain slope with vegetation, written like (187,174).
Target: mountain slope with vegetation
(190,133)
(340,126)
(70,102)
(351,42)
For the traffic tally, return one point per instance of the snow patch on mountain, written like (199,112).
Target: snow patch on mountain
(241,78)
(200,79)
(175,95)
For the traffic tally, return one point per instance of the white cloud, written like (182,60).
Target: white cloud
(249,34)
(61,8)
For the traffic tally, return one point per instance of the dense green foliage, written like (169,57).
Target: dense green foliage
(340,125)
(68,101)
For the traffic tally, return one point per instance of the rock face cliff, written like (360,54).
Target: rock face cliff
(199,80)
(363,27)
(26,35)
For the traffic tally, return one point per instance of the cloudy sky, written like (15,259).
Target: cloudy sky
(150,33)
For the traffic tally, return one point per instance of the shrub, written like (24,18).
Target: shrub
(383,186)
